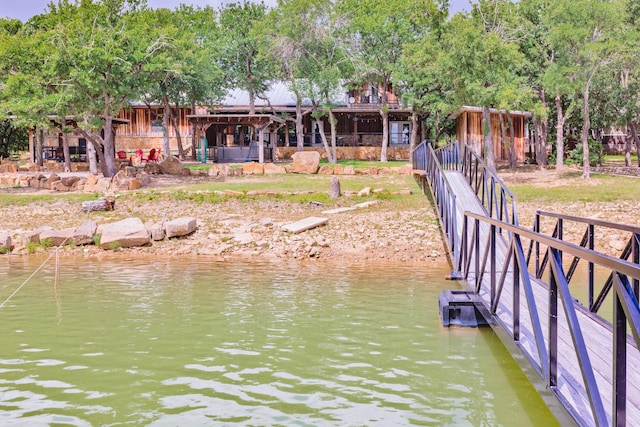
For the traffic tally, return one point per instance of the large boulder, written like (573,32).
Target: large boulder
(58,237)
(83,235)
(34,236)
(103,185)
(171,166)
(90,184)
(219,169)
(124,234)
(157,231)
(6,244)
(252,168)
(306,161)
(180,227)
(70,180)
(273,169)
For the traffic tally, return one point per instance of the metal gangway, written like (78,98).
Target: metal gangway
(523,278)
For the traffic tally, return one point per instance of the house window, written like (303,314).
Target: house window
(400,132)
(374,94)
(156,125)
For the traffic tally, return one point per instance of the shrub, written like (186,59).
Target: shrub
(32,247)
(46,243)
(595,154)
(115,245)
(96,239)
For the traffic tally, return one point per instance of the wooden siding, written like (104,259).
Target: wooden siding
(363,95)
(141,119)
(469,131)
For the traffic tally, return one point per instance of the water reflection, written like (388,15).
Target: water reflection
(210,343)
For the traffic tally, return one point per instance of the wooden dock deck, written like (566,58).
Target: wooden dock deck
(598,334)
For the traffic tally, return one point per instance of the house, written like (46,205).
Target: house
(229,128)
(359,124)
(228,133)
(469,131)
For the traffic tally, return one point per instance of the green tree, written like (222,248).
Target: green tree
(31,88)
(12,138)
(287,32)
(187,70)
(326,64)
(423,77)
(582,34)
(485,64)
(379,31)
(243,59)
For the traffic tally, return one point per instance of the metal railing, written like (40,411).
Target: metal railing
(492,192)
(630,252)
(626,311)
(426,159)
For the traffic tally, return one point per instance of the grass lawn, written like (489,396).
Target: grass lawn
(571,187)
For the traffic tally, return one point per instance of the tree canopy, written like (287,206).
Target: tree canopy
(574,64)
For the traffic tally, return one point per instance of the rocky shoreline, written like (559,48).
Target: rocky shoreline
(243,226)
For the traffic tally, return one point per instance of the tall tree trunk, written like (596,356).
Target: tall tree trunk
(39,143)
(384,113)
(325,143)
(540,142)
(627,147)
(559,135)
(489,158)
(413,141)
(65,145)
(586,124)
(541,132)
(98,146)
(299,125)
(633,127)
(174,122)
(32,158)
(332,126)
(166,120)
(91,157)
(109,148)
(194,129)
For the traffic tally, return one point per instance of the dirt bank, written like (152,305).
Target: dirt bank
(251,226)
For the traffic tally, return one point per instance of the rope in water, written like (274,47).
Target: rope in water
(35,272)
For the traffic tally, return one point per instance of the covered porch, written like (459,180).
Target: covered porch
(234,138)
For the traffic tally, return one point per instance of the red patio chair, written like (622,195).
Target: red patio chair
(152,156)
(122,155)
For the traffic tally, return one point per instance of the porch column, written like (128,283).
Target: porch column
(286,134)
(261,146)
(355,131)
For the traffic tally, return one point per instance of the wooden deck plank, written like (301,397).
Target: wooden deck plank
(597,337)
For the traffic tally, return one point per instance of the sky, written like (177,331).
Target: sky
(25,9)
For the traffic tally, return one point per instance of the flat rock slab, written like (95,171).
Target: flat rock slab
(339,210)
(58,237)
(128,233)
(352,208)
(305,224)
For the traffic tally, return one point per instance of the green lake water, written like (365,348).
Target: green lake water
(198,343)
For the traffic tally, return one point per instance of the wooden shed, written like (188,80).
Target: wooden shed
(469,131)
